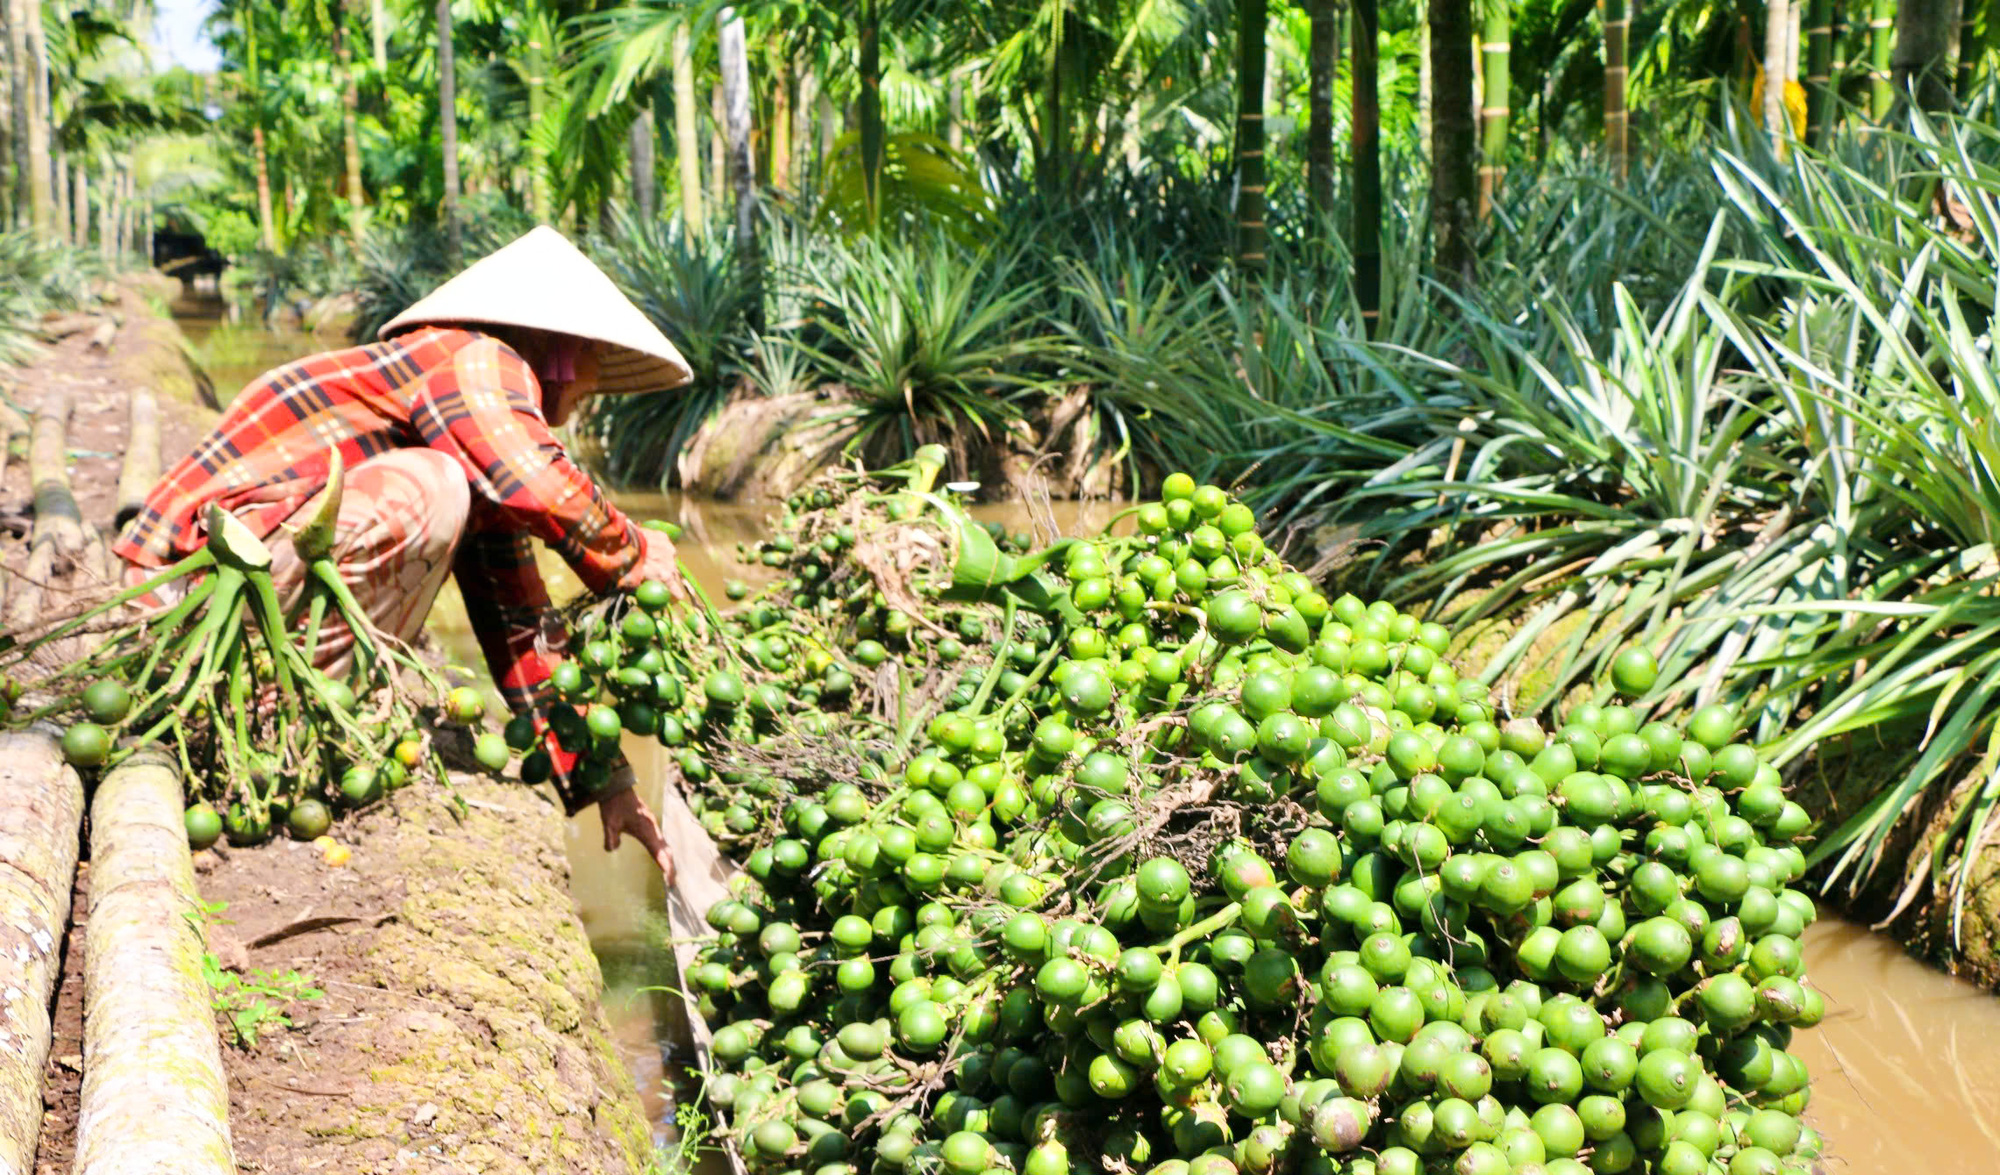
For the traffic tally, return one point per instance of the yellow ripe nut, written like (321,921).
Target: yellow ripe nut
(337,855)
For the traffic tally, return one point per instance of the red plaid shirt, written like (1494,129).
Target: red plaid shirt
(462,393)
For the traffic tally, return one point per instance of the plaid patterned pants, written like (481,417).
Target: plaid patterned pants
(401,515)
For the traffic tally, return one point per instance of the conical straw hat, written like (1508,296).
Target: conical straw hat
(544,282)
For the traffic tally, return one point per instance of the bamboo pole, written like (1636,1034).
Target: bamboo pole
(1881,24)
(1495,92)
(448,124)
(1252,18)
(154,1096)
(41,817)
(1820,95)
(142,457)
(1617,112)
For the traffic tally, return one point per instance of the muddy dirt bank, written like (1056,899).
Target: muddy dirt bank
(460,1027)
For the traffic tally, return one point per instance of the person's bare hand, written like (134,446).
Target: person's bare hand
(624,812)
(660,561)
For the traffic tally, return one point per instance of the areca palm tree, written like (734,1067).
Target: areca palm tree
(28,51)
(1918,65)
(237,20)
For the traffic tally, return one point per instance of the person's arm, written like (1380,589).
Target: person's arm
(485,411)
(520,635)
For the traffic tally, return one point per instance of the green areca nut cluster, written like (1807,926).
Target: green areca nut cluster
(1241,878)
(819,660)
(224,679)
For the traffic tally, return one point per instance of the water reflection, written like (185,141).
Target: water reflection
(232,352)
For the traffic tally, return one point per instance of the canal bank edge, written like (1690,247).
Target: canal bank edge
(156,355)
(461,1027)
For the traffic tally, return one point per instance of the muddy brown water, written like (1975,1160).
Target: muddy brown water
(1906,1066)
(233,350)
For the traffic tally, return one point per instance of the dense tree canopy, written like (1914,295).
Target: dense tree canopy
(324,119)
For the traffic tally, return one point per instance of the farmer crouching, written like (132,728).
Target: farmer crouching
(445,430)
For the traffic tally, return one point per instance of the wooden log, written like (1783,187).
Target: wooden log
(60,540)
(154,1096)
(68,324)
(101,338)
(12,424)
(142,457)
(41,816)
(56,512)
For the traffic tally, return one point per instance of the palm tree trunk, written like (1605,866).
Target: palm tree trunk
(1055,130)
(1968,46)
(1322,62)
(65,226)
(644,183)
(1365,128)
(1250,21)
(871,101)
(39,194)
(1617,29)
(350,134)
(1777,42)
(1918,66)
(954,127)
(107,214)
(535,55)
(827,119)
(1425,97)
(687,136)
(1881,25)
(128,215)
(80,203)
(734,56)
(19,97)
(803,110)
(448,124)
(1495,91)
(1454,147)
(260,158)
(718,146)
(1819,71)
(779,170)
(378,26)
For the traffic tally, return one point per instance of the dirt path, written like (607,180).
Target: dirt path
(460,1028)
